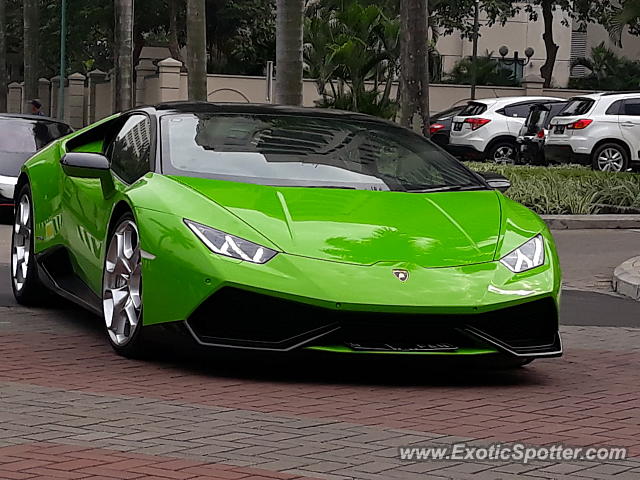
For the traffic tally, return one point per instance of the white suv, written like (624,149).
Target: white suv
(600,129)
(487,129)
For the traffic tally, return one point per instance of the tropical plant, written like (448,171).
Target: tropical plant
(608,71)
(352,50)
(197,49)
(289,51)
(626,15)
(31,58)
(489,72)
(123,55)
(3,56)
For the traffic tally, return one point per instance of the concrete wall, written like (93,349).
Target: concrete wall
(517,34)
(90,98)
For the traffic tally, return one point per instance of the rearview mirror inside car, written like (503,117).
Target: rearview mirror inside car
(496,181)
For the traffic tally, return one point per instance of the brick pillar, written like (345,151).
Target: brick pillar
(145,68)
(44,95)
(169,72)
(53,98)
(14,98)
(76,100)
(96,77)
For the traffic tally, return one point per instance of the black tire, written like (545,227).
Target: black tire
(496,153)
(135,344)
(617,155)
(27,288)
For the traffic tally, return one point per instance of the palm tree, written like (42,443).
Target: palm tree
(3,57)
(197,49)
(414,65)
(626,15)
(123,54)
(289,49)
(31,29)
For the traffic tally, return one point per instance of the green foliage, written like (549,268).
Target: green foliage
(608,71)
(489,72)
(352,51)
(569,189)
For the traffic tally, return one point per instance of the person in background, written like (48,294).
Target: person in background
(36,108)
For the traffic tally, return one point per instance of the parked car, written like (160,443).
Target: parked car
(601,130)
(534,132)
(261,227)
(20,137)
(440,128)
(487,129)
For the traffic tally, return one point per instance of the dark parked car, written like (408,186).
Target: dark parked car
(440,127)
(20,137)
(534,132)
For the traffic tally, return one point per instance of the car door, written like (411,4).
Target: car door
(516,115)
(629,121)
(86,209)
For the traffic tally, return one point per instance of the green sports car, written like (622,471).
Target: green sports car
(276,228)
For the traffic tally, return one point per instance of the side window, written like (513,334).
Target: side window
(631,107)
(614,108)
(130,150)
(518,111)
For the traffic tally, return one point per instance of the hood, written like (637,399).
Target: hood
(11,163)
(365,227)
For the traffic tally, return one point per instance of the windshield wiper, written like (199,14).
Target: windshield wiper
(448,188)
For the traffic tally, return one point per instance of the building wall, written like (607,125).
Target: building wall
(517,34)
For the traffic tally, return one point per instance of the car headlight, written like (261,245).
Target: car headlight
(229,245)
(529,255)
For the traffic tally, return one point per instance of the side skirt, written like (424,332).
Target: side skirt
(56,272)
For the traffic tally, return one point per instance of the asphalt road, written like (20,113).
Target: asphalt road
(588,259)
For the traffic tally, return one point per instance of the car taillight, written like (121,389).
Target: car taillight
(540,134)
(476,123)
(435,128)
(580,124)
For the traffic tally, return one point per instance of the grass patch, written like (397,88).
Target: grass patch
(569,190)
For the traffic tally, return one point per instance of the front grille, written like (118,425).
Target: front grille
(235,317)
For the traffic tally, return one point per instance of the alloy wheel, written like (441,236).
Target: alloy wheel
(21,249)
(504,154)
(122,282)
(610,160)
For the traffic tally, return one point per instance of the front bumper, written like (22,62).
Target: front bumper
(7,187)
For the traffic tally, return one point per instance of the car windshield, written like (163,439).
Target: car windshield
(307,151)
(19,135)
(472,109)
(577,106)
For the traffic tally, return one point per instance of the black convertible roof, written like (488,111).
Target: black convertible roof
(265,109)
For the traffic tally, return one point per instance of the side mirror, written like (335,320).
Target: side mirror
(89,165)
(496,181)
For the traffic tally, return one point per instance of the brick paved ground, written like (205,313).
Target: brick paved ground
(70,408)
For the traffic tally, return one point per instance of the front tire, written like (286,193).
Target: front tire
(27,288)
(122,289)
(610,157)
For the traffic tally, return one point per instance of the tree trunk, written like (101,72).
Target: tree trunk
(289,42)
(31,29)
(546,71)
(174,46)
(3,57)
(123,54)
(414,75)
(197,49)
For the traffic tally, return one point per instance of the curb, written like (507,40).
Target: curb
(626,278)
(576,222)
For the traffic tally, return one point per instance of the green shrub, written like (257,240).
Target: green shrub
(570,189)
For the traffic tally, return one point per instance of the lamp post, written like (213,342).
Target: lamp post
(63,58)
(474,56)
(517,61)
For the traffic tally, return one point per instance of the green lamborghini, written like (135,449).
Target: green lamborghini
(275,228)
